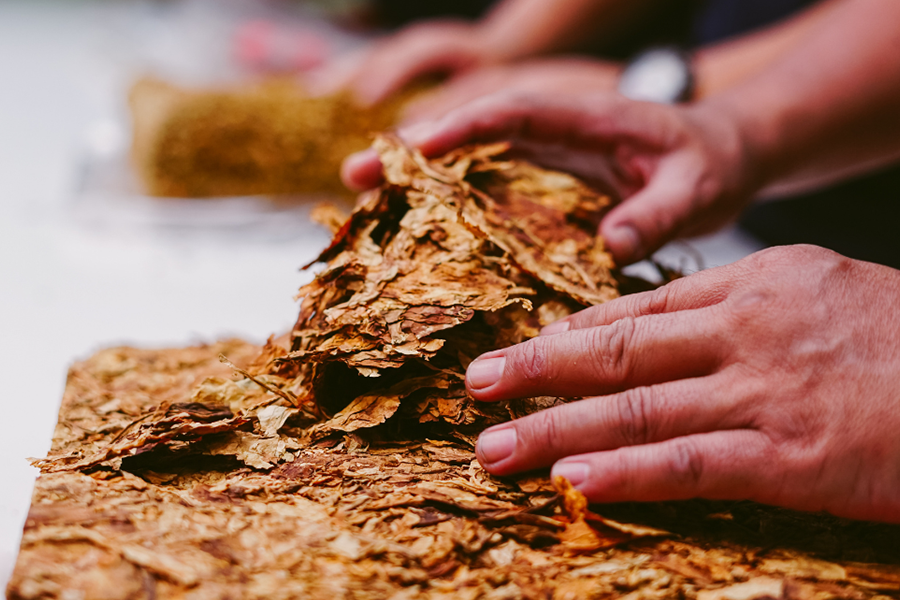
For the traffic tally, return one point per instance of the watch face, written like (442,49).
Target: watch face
(660,75)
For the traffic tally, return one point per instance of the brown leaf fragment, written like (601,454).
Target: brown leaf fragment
(252,450)
(272,418)
(285,394)
(586,531)
(365,411)
(879,577)
(329,215)
(173,424)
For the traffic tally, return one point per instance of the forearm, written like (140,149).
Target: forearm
(827,109)
(521,28)
(720,66)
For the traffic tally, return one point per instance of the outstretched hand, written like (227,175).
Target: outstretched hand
(775,379)
(432,47)
(677,170)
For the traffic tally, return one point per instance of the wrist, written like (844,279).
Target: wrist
(740,149)
(767,129)
(663,74)
(709,78)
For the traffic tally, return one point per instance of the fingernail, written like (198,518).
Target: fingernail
(575,472)
(557,327)
(356,169)
(624,241)
(497,444)
(485,372)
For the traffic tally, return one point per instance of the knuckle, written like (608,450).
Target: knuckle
(530,361)
(611,347)
(790,255)
(769,257)
(646,303)
(634,409)
(687,465)
(545,433)
(655,302)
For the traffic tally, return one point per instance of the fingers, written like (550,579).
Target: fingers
(584,362)
(656,213)
(389,69)
(700,290)
(437,47)
(335,75)
(595,122)
(455,93)
(362,171)
(637,416)
(514,115)
(491,118)
(725,465)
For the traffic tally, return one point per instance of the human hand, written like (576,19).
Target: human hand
(562,75)
(678,170)
(775,379)
(432,47)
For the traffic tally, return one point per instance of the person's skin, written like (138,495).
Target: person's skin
(565,76)
(825,110)
(481,57)
(775,378)
(514,29)
(716,67)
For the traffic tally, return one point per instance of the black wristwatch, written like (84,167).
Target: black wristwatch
(662,74)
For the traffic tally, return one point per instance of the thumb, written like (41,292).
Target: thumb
(651,217)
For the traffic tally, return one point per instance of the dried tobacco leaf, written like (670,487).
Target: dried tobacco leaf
(343,466)
(349,518)
(450,258)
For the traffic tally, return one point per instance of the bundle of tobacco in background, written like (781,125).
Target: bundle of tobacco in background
(339,463)
(270,138)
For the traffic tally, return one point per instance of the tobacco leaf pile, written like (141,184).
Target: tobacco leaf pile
(269,138)
(337,462)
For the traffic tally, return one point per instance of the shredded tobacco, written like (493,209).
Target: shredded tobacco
(271,138)
(337,461)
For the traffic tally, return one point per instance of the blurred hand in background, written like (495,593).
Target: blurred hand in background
(513,30)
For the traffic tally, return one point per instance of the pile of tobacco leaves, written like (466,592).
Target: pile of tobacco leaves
(337,462)
(266,138)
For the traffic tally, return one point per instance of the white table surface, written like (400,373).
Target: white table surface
(69,287)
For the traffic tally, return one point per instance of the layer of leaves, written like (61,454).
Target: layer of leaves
(337,462)
(450,258)
(262,512)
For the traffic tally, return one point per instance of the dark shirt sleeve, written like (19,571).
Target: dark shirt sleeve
(720,19)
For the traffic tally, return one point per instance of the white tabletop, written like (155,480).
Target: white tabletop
(71,283)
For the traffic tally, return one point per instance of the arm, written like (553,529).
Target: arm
(514,29)
(828,109)
(521,28)
(716,67)
(729,63)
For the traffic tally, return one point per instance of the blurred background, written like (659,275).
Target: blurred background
(89,257)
